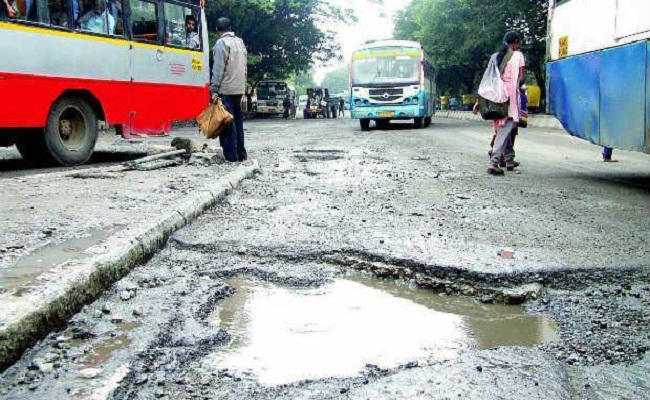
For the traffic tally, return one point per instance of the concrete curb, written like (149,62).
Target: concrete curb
(62,292)
(542,121)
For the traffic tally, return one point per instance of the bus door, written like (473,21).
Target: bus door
(148,75)
(186,62)
(169,64)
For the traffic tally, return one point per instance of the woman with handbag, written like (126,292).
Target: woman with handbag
(523,123)
(511,62)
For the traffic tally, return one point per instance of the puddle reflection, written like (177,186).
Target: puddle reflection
(286,335)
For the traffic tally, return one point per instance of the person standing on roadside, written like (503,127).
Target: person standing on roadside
(341,107)
(607,154)
(229,83)
(286,104)
(511,62)
(294,106)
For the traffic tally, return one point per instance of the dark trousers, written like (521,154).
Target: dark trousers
(607,153)
(232,140)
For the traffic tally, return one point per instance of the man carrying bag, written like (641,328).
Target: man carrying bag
(214,120)
(229,85)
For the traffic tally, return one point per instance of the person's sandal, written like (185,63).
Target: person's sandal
(494,170)
(513,166)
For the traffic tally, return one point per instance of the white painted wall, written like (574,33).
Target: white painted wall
(596,24)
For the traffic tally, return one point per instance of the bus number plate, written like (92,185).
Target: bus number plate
(386,113)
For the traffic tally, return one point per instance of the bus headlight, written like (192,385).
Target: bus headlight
(357,102)
(416,100)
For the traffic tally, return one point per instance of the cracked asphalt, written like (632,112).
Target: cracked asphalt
(412,205)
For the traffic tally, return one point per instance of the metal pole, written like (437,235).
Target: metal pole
(154,157)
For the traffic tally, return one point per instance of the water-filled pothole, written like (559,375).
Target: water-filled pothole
(283,335)
(28,267)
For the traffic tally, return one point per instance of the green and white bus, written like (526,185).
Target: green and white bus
(392,80)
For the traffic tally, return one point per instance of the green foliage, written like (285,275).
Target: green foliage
(282,36)
(302,81)
(337,81)
(461,35)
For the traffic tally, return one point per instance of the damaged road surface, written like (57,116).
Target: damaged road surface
(380,265)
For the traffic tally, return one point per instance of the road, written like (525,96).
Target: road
(315,277)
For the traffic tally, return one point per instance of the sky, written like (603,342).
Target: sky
(374,22)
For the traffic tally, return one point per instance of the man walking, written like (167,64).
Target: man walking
(229,83)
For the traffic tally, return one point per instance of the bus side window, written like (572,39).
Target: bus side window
(29,10)
(58,11)
(181,27)
(115,8)
(144,23)
(10,9)
(98,16)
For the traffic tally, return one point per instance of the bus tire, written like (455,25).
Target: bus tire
(365,124)
(71,131)
(418,122)
(427,122)
(31,145)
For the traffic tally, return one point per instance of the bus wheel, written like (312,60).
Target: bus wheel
(419,122)
(427,121)
(71,131)
(31,146)
(365,124)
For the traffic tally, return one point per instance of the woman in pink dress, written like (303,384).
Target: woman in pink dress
(511,62)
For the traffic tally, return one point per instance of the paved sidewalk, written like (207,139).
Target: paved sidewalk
(534,120)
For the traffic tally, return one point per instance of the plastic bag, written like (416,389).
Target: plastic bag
(492,87)
(214,120)
(493,94)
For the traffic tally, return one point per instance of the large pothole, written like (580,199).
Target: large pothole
(282,335)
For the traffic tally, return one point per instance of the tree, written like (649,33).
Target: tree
(531,22)
(302,81)
(461,35)
(337,81)
(282,36)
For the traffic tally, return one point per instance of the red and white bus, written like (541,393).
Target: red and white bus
(67,64)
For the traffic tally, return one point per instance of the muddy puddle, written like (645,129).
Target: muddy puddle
(30,266)
(284,335)
(97,351)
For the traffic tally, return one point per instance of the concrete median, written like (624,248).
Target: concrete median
(44,304)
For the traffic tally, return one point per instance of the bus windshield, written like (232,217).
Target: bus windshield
(272,90)
(386,65)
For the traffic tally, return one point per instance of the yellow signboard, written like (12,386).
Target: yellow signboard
(564,46)
(197,64)
(372,54)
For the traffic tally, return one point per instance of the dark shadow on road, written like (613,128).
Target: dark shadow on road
(15,167)
(639,181)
